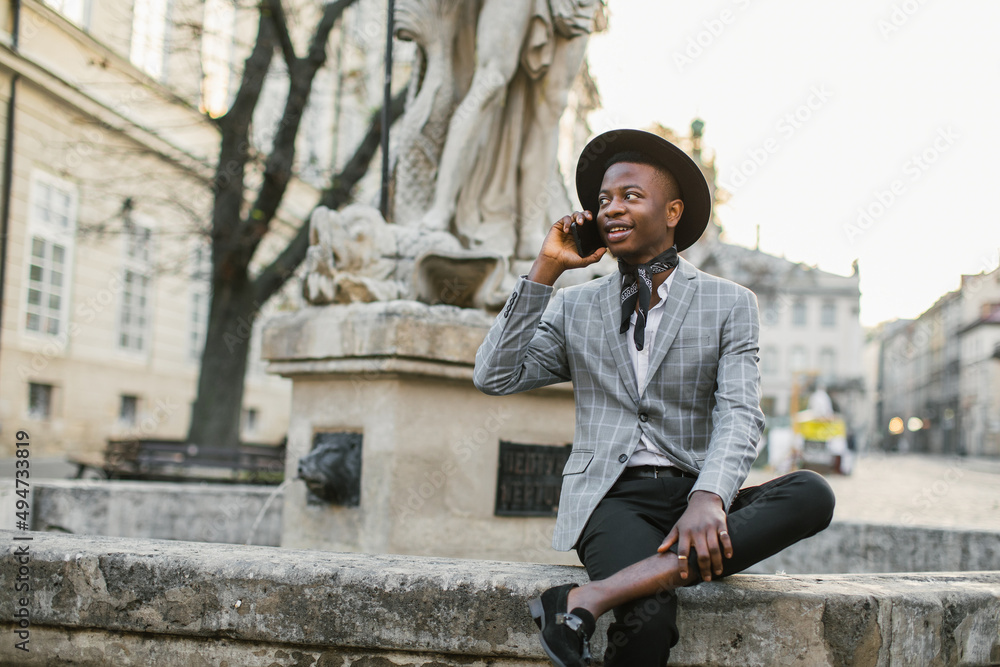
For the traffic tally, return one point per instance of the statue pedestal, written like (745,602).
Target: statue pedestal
(400,373)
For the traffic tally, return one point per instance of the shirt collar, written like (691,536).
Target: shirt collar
(662,291)
(664,288)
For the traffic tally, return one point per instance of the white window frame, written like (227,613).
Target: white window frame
(250,421)
(314,154)
(769,312)
(51,234)
(769,361)
(267,114)
(51,404)
(75,11)
(141,267)
(218,51)
(800,306)
(828,306)
(137,404)
(200,293)
(798,359)
(827,369)
(150,37)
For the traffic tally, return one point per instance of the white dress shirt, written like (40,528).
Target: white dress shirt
(645,453)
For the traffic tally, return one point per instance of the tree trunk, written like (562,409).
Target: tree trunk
(236,301)
(215,417)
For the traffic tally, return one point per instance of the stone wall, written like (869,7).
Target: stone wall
(99,600)
(400,373)
(855,548)
(162,510)
(226,513)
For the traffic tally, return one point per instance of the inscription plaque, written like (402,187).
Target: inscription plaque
(529,478)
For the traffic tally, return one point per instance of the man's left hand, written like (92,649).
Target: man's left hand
(703,528)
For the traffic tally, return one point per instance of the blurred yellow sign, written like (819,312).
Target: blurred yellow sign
(821,430)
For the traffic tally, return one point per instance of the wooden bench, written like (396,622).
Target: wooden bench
(175,460)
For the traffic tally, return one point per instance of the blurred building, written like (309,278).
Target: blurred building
(919,379)
(810,332)
(979,342)
(894,370)
(108,107)
(109,151)
(938,383)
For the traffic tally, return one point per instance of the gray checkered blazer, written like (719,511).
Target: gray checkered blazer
(701,403)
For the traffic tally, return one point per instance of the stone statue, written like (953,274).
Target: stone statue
(475,180)
(496,170)
(355,256)
(332,470)
(443,72)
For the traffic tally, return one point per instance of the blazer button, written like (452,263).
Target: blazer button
(643,417)
(622,459)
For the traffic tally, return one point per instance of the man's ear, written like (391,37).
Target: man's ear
(674,210)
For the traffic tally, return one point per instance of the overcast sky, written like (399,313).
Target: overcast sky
(865,129)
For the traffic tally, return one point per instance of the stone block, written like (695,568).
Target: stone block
(123,601)
(401,329)
(855,547)
(400,373)
(163,510)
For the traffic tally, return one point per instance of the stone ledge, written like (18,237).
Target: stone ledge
(204,512)
(360,331)
(348,609)
(856,547)
(197,512)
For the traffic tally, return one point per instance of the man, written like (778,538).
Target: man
(663,360)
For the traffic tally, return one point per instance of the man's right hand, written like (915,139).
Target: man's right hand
(558,251)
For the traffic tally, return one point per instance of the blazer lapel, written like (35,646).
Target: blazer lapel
(678,301)
(611,309)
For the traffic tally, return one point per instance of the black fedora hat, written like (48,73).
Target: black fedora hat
(695,193)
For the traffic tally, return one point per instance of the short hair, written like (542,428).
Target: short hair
(666,177)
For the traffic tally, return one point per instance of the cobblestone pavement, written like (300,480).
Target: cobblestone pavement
(909,489)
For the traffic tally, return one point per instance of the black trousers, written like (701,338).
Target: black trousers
(633,519)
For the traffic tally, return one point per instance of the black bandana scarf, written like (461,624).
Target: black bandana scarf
(638,287)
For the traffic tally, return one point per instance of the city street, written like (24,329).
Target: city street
(916,490)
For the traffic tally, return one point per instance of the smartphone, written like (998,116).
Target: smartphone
(587,238)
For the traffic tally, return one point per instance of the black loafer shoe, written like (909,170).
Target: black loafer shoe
(565,635)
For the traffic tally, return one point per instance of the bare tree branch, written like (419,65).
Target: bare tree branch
(278,169)
(238,118)
(339,191)
(236,297)
(332,12)
(276,12)
(234,152)
(336,195)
